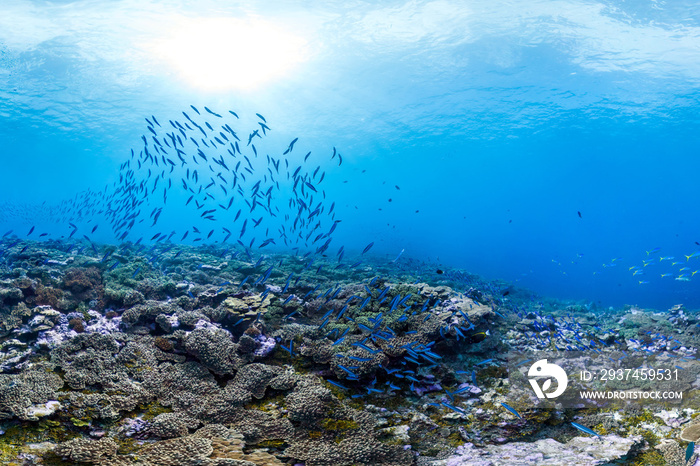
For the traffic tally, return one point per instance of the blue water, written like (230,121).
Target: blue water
(499,122)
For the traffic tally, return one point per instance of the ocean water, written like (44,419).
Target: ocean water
(349,233)
(500,122)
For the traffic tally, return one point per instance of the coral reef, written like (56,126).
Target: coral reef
(191,365)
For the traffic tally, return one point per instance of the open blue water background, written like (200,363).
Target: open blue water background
(498,121)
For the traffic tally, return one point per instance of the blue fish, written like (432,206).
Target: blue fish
(348,370)
(585,429)
(689,451)
(355,358)
(453,408)
(289,298)
(511,409)
(342,311)
(337,384)
(364,303)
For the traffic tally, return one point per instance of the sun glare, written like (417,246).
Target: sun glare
(219,54)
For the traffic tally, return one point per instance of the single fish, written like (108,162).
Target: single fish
(511,409)
(336,384)
(453,408)
(215,114)
(689,451)
(585,429)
